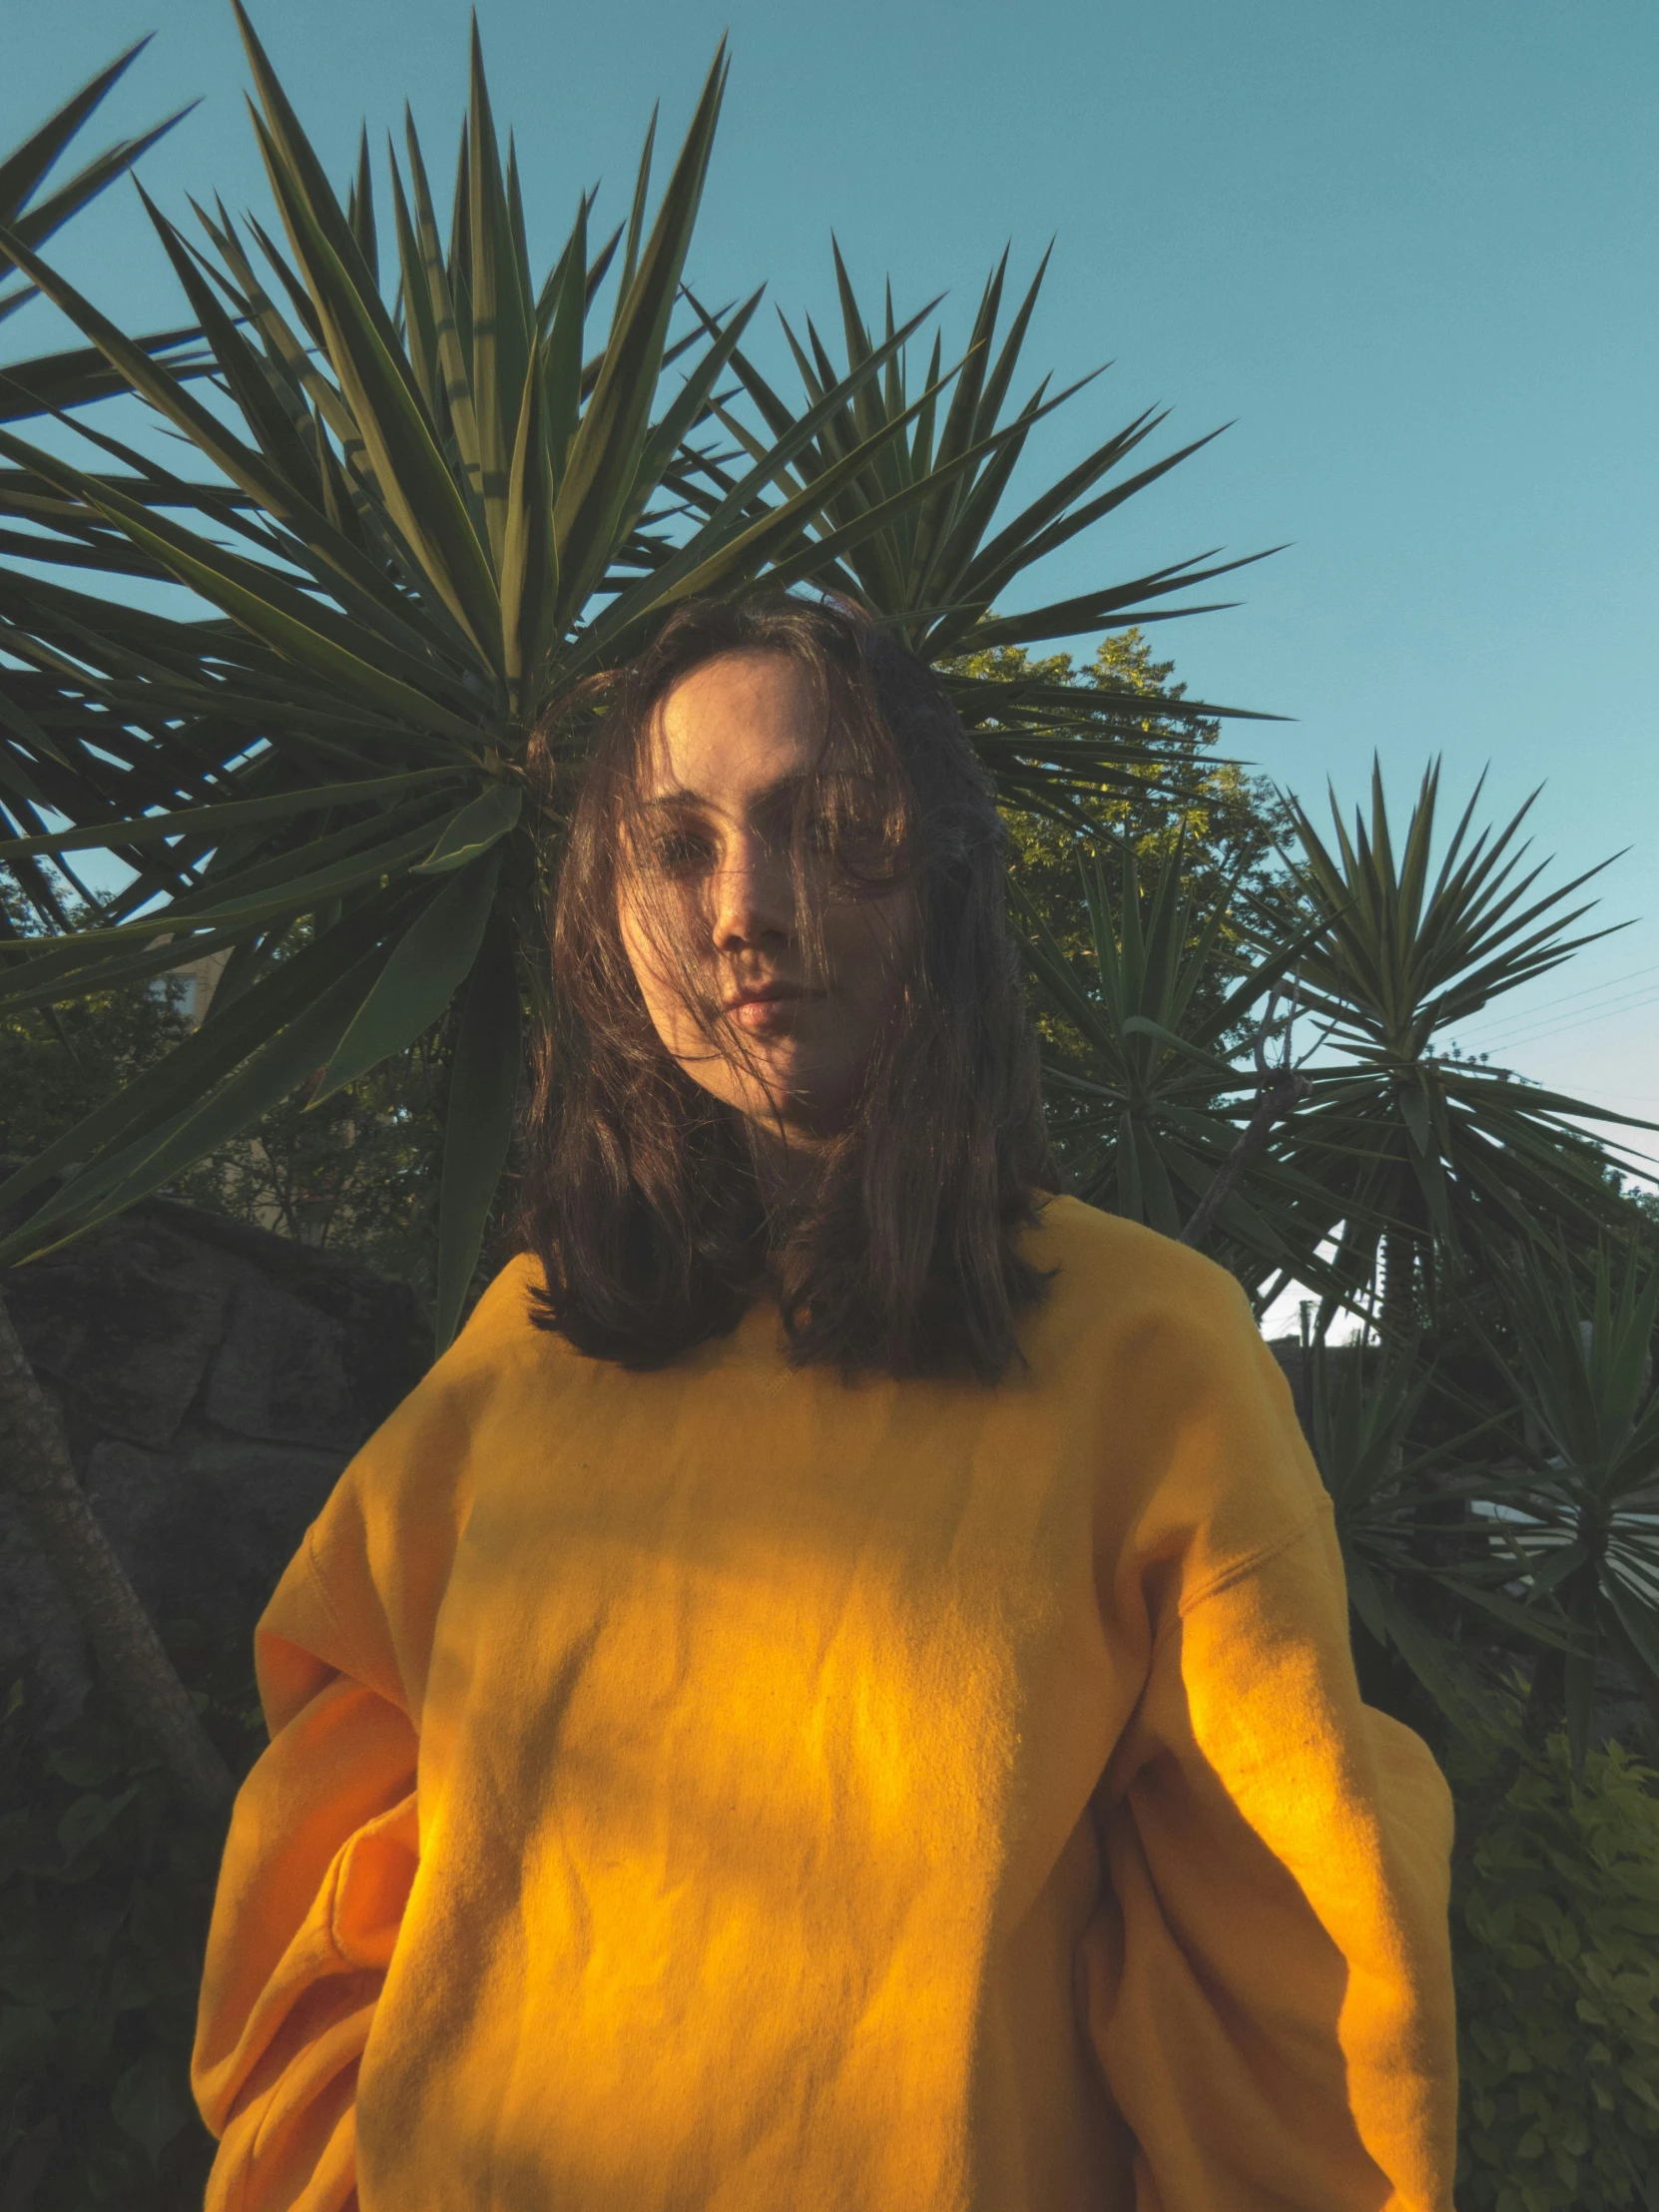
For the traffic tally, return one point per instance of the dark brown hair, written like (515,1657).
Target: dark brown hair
(639,1195)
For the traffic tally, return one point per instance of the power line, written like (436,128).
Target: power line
(1539,1032)
(1546,1035)
(1612,984)
(1516,1031)
(1526,1018)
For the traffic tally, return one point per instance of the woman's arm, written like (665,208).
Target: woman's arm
(322,1852)
(1270,1992)
(324,1840)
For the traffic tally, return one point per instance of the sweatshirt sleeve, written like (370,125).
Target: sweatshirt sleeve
(1269,1989)
(324,1845)
(321,1853)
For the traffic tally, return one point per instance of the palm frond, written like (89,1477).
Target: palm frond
(50,383)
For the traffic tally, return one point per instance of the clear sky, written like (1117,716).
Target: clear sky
(1411,251)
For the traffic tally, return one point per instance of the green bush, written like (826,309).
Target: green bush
(105,1892)
(1555,1929)
(354,1174)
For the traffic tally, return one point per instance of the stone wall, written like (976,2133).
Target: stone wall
(213,1380)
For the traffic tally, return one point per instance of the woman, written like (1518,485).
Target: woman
(834,1692)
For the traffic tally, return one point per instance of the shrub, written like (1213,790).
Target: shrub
(1555,1929)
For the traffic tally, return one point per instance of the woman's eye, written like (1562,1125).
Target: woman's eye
(678,850)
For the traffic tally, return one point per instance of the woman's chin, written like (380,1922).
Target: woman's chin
(782,1084)
(790,1103)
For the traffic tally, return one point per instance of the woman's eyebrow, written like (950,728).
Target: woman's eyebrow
(768,797)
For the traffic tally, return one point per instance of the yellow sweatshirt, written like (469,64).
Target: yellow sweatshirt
(731,1789)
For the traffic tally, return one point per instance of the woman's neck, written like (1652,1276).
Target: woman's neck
(786,1164)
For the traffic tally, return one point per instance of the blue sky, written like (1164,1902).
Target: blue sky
(1411,251)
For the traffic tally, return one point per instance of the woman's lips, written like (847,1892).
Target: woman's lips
(767,1015)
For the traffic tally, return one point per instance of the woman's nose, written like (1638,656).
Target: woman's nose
(752,896)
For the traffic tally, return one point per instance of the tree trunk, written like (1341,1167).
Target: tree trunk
(1546,1710)
(1281,1098)
(34,1455)
(1408,1260)
(1546,1699)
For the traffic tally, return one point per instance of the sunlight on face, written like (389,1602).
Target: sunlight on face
(711,864)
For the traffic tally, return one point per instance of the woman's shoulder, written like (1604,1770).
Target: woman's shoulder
(1108,1272)
(498,1348)
(418,1463)
(504,1317)
(1154,1312)
(1161,1346)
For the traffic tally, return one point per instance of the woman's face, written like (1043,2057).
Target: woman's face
(709,861)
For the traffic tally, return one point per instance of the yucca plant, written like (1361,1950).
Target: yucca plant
(429,510)
(46,383)
(936,476)
(1583,1519)
(71,378)
(444,516)
(1413,1580)
(1150,1076)
(1428,1159)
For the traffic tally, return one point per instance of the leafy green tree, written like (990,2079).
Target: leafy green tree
(1171,799)
(357,1175)
(1170,787)
(59,1065)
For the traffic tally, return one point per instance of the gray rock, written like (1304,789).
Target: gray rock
(124,1324)
(201,1529)
(278,1376)
(213,1380)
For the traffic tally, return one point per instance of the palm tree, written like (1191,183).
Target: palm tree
(1420,1568)
(943,553)
(1156,1068)
(1583,1519)
(33,1449)
(52,381)
(433,508)
(1431,1161)
(48,383)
